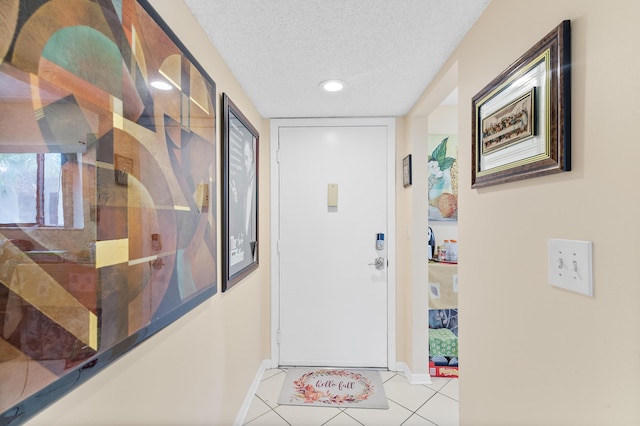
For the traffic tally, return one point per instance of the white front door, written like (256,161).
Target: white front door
(333,201)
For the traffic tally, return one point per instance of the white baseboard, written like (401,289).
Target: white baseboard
(414,378)
(246,404)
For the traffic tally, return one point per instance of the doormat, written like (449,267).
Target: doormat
(333,388)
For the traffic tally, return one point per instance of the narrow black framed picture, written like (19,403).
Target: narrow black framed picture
(406,171)
(240,142)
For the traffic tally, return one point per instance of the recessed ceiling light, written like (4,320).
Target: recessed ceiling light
(333,85)
(161,85)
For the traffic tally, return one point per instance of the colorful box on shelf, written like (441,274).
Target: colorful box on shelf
(442,370)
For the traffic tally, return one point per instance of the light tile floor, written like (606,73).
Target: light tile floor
(409,405)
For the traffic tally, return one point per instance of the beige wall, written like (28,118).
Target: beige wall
(403,250)
(532,354)
(199,369)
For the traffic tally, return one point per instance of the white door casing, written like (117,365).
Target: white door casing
(330,307)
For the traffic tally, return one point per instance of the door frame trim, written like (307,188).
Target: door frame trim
(390,124)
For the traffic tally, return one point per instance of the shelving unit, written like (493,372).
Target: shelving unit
(443,319)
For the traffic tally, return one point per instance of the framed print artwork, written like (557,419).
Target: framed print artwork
(107,191)
(240,142)
(406,171)
(443,177)
(521,121)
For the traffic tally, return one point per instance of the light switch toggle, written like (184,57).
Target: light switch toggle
(574,266)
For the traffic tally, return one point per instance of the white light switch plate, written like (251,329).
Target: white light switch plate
(570,265)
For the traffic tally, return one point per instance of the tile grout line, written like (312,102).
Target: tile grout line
(451,398)
(429,399)
(278,414)
(342,411)
(421,405)
(255,395)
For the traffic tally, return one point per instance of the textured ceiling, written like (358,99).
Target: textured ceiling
(387,51)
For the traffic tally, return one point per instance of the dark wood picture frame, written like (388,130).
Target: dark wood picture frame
(240,146)
(518,148)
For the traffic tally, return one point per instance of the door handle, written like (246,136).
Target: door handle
(379,263)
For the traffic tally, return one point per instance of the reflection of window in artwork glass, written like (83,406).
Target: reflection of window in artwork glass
(31,189)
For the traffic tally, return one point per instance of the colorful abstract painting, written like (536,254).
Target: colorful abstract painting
(107,190)
(443,177)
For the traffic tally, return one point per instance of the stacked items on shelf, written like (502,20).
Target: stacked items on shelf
(443,320)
